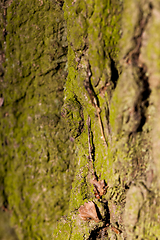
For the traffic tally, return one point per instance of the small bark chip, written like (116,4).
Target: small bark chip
(88,212)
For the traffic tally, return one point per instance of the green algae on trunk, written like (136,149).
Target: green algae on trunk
(126,87)
(37,155)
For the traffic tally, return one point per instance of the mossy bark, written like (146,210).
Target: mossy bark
(37,155)
(115,45)
(120,42)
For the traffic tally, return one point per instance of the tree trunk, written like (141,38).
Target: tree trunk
(37,155)
(113,77)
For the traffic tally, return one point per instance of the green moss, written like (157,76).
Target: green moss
(36,152)
(91,18)
(63,230)
(6,232)
(126,159)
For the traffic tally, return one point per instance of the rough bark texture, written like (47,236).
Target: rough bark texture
(114,46)
(37,155)
(114,77)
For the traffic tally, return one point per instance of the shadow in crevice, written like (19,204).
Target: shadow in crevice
(114,72)
(100,232)
(98,212)
(97,233)
(81,121)
(142,102)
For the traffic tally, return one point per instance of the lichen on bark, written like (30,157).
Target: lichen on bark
(115,38)
(115,46)
(37,156)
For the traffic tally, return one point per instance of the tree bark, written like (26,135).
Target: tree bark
(113,61)
(37,155)
(102,61)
